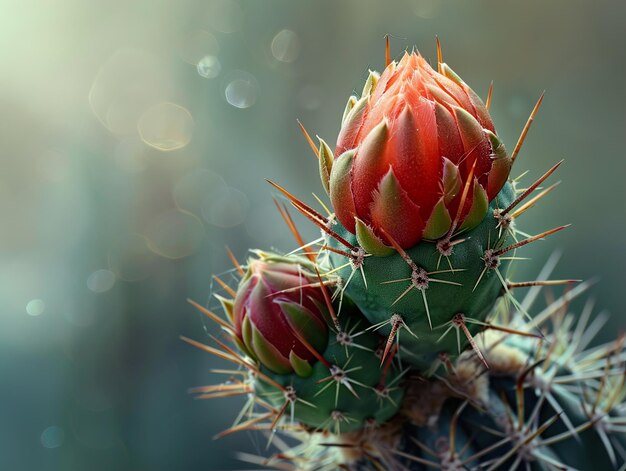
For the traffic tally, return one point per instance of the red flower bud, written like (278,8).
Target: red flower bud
(406,151)
(279,314)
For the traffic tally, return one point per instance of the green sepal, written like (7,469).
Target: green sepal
(500,164)
(326,158)
(356,111)
(227,305)
(451,74)
(440,96)
(499,151)
(371,149)
(271,257)
(477,212)
(370,242)
(451,180)
(340,185)
(439,222)
(301,367)
(303,322)
(351,102)
(246,340)
(370,83)
(471,131)
(268,355)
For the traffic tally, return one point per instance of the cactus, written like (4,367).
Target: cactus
(394,341)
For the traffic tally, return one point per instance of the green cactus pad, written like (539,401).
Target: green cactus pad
(378,287)
(324,404)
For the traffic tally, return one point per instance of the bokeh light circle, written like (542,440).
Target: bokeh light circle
(209,67)
(227,209)
(35,307)
(101,281)
(127,84)
(175,234)
(166,127)
(52,437)
(285,46)
(242,90)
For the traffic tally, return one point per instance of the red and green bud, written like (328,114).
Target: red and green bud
(405,154)
(279,314)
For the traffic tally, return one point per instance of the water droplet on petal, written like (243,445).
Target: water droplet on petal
(35,307)
(241,92)
(286,46)
(166,127)
(101,280)
(209,67)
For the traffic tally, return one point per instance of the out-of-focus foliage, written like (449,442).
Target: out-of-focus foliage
(135,137)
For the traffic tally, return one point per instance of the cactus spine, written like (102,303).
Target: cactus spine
(395,341)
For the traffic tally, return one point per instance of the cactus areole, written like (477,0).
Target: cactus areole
(407,149)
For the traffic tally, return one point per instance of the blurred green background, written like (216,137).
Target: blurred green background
(136,136)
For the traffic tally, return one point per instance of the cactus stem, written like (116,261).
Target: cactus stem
(529,190)
(308,138)
(529,122)
(234,261)
(489,93)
